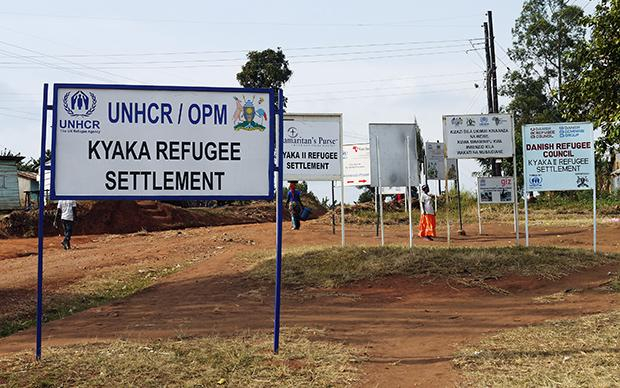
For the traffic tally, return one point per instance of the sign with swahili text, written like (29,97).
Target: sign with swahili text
(435,166)
(558,157)
(126,142)
(356,164)
(478,136)
(497,189)
(312,147)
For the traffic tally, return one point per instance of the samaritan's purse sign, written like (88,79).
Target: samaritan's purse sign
(113,141)
(558,156)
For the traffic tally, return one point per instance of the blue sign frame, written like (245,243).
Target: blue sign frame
(272,125)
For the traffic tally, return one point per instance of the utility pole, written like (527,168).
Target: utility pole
(560,54)
(492,77)
(488,71)
(493,66)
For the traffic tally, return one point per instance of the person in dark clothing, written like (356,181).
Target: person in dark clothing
(294,205)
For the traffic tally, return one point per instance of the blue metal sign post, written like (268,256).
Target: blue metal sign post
(40,228)
(232,194)
(276,318)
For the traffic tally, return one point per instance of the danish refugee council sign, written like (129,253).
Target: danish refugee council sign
(313,147)
(435,166)
(558,156)
(478,136)
(495,190)
(127,142)
(356,164)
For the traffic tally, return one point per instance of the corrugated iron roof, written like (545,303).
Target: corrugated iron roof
(28,175)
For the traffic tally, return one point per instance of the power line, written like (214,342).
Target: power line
(309,48)
(385,56)
(18,117)
(19,111)
(384,95)
(243,22)
(389,87)
(201,65)
(45,64)
(241,59)
(383,80)
(505,53)
(64,60)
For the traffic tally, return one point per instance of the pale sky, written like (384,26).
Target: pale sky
(387,61)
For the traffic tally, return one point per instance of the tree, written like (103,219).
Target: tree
(594,95)
(546,36)
(31,165)
(265,69)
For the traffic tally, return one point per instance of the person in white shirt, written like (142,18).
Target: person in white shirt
(427,219)
(67,212)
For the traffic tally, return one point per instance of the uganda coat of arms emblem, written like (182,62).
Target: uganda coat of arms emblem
(247,116)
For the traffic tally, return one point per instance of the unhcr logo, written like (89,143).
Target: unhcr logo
(79,104)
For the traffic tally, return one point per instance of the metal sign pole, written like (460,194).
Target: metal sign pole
(457,182)
(525,193)
(380,191)
(41,223)
(479,213)
(341,187)
(280,183)
(333,208)
(515,186)
(409,194)
(342,212)
(594,212)
(376,212)
(445,164)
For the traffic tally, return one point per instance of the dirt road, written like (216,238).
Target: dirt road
(409,327)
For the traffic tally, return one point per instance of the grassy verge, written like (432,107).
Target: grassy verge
(576,353)
(87,293)
(333,267)
(211,361)
(549,209)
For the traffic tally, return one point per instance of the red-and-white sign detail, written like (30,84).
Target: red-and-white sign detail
(356,164)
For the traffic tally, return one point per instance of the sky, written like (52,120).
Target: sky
(388,61)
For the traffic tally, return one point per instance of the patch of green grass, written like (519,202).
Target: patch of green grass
(574,353)
(88,293)
(614,285)
(333,267)
(213,361)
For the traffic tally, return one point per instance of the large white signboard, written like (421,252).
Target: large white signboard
(558,156)
(392,142)
(356,164)
(312,147)
(496,190)
(113,141)
(478,136)
(435,165)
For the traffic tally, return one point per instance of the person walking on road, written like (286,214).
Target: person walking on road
(294,205)
(67,212)
(427,218)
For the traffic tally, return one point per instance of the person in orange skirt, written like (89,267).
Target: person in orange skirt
(427,218)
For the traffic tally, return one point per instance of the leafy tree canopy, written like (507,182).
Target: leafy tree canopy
(265,69)
(546,36)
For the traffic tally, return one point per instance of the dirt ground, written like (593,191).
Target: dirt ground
(409,328)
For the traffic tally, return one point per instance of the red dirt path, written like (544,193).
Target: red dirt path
(409,327)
